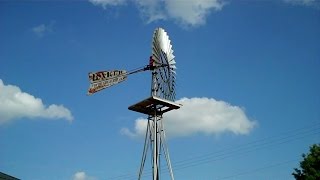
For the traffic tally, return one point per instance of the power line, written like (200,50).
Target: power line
(281,138)
(257,169)
(287,134)
(240,150)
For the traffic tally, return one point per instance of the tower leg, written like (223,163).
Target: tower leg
(156,140)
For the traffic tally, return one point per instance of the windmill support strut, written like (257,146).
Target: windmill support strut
(154,107)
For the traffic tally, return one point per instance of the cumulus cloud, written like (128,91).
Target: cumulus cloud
(192,13)
(42,29)
(82,176)
(187,13)
(151,10)
(199,116)
(15,104)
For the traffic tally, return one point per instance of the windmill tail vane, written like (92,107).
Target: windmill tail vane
(103,79)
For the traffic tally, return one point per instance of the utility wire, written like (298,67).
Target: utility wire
(258,169)
(238,150)
(227,155)
(287,134)
(241,152)
(281,138)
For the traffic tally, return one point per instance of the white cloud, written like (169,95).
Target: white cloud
(192,12)
(187,13)
(105,3)
(82,176)
(313,3)
(199,116)
(15,104)
(43,29)
(152,10)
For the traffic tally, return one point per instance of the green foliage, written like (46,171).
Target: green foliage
(310,165)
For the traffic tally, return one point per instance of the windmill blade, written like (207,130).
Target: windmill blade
(162,54)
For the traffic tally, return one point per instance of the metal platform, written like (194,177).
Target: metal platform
(149,105)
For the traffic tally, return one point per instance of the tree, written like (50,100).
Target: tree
(310,165)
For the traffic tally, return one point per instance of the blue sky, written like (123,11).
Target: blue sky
(248,78)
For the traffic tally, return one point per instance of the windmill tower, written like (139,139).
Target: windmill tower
(162,65)
(161,100)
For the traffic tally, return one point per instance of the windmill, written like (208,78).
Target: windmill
(161,100)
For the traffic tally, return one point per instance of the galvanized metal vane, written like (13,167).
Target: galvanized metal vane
(103,79)
(162,54)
